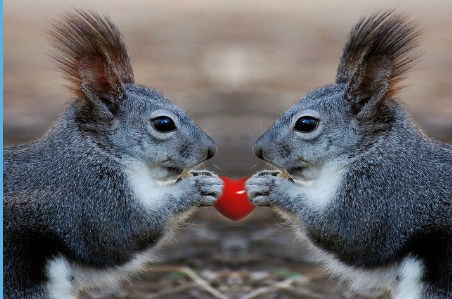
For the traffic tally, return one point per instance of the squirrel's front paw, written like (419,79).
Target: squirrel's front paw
(207,186)
(266,187)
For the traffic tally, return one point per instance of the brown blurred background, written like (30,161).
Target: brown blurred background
(234,66)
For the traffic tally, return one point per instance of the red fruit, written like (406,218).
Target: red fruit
(233,202)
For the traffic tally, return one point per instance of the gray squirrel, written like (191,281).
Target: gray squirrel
(361,184)
(86,205)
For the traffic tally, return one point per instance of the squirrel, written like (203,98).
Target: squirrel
(86,205)
(365,188)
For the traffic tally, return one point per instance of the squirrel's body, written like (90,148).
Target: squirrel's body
(85,205)
(370,193)
(372,252)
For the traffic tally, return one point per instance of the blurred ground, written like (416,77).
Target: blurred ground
(235,66)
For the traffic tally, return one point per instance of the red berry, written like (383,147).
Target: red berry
(233,202)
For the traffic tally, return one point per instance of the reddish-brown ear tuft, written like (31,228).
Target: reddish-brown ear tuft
(376,58)
(92,55)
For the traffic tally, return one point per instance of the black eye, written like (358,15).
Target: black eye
(306,124)
(163,124)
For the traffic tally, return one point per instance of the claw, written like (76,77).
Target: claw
(261,194)
(272,173)
(213,194)
(196,173)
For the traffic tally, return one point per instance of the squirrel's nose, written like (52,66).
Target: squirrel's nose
(211,152)
(258,152)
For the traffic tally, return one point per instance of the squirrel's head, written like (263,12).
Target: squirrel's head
(337,120)
(127,120)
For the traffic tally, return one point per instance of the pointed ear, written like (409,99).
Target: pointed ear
(375,59)
(93,58)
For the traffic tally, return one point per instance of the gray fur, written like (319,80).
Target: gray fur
(394,195)
(68,193)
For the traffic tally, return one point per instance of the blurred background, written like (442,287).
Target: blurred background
(234,66)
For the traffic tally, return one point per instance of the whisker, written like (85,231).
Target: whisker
(199,166)
(217,167)
(253,166)
(270,166)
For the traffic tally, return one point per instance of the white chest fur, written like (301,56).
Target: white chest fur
(319,190)
(150,192)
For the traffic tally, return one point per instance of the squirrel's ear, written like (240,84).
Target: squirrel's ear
(93,58)
(377,55)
